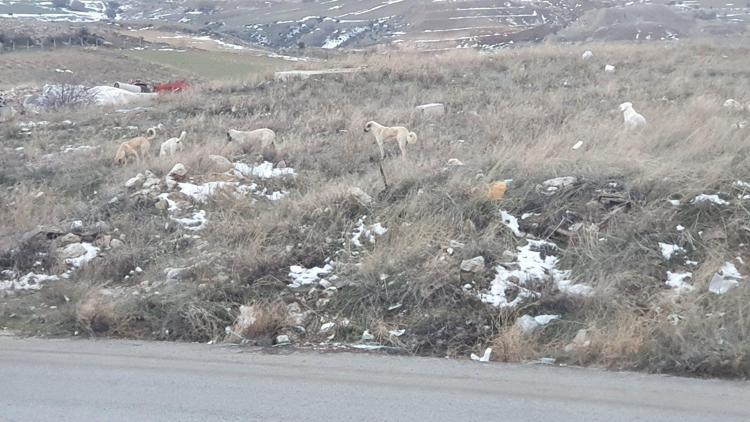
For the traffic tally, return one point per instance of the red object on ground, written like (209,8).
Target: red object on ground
(176,86)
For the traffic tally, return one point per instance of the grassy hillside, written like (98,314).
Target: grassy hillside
(639,211)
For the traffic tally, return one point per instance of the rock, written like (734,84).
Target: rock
(102,227)
(295,313)
(177,174)
(7,113)
(76,226)
(327,327)
(432,109)
(282,340)
(73,250)
(455,162)
(473,265)
(580,341)
(178,171)
(609,69)
(587,55)
(245,320)
(161,204)
(281,164)
(220,163)
(496,191)
(360,196)
(175,275)
(116,243)
(553,185)
(103,241)
(733,105)
(151,180)
(366,336)
(68,239)
(456,244)
(135,181)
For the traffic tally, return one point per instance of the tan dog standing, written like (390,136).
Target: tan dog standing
(399,134)
(138,147)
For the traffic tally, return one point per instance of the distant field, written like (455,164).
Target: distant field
(212,65)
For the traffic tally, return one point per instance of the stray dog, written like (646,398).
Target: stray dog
(172,145)
(396,133)
(138,147)
(264,138)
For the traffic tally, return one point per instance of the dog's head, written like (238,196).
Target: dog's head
(625,106)
(119,158)
(368,126)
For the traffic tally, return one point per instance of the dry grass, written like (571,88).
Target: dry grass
(518,113)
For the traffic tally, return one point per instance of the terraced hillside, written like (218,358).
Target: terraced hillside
(423,24)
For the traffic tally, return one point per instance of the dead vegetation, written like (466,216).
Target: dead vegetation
(513,115)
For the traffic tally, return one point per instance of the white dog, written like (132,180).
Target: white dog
(172,145)
(632,119)
(261,137)
(399,134)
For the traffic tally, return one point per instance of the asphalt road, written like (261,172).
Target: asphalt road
(103,380)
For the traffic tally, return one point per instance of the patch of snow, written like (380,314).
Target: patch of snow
(196,222)
(679,281)
(340,39)
(396,333)
(529,324)
(91,252)
(578,145)
(484,358)
(264,170)
(529,269)
(727,278)
(714,199)
(366,232)
(29,281)
(302,276)
(668,250)
(512,223)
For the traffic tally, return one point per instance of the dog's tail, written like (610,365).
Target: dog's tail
(411,137)
(151,133)
(182,136)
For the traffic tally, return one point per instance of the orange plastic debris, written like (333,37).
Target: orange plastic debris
(497,190)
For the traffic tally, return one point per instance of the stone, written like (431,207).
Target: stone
(135,181)
(116,243)
(178,172)
(559,183)
(151,180)
(587,55)
(456,244)
(161,204)
(220,163)
(455,162)
(609,69)
(327,327)
(73,250)
(432,109)
(580,341)
(175,275)
(103,241)
(76,226)
(68,239)
(282,339)
(295,313)
(360,196)
(366,336)
(473,265)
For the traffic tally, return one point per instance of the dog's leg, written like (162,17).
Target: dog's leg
(382,149)
(402,145)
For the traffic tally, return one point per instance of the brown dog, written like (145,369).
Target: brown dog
(138,147)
